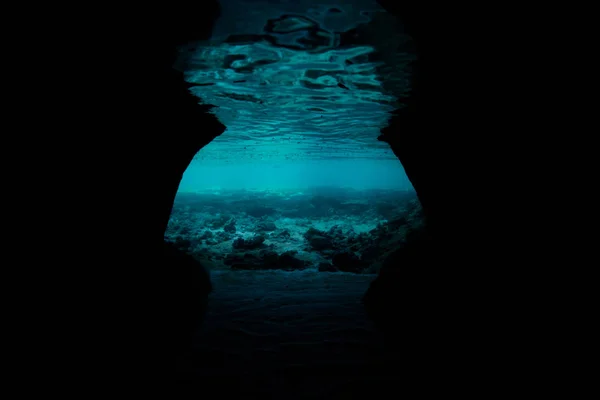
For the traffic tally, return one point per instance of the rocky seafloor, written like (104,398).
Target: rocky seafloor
(326,229)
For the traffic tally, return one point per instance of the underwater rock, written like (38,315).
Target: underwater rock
(288,260)
(284,234)
(325,202)
(233,258)
(266,226)
(312,232)
(210,233)
(341,235)
(251,243)
(362,239)
(387,210)
(373,268)
(318,240)
(348,262)
(260,211)
(222,236)
(327,267)
(269,259)
(293,213)
(335,230)
(219,221)
(182,243)
(355,207)
(229,227)
(370,253)
(252,260)
(381,233)
(330,240)
(206,235)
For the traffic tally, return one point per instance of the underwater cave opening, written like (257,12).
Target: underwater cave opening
(294,208)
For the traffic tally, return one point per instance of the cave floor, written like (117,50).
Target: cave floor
(293,335)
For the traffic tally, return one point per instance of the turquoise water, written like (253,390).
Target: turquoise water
(269,175)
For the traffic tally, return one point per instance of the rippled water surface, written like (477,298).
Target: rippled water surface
(297,80)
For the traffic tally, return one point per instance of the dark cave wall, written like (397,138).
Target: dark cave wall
(198,128)
(177,126)
(435,137)
(425,133)
(145,131)
(448,303)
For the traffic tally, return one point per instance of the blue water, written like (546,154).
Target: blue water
(348,173)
